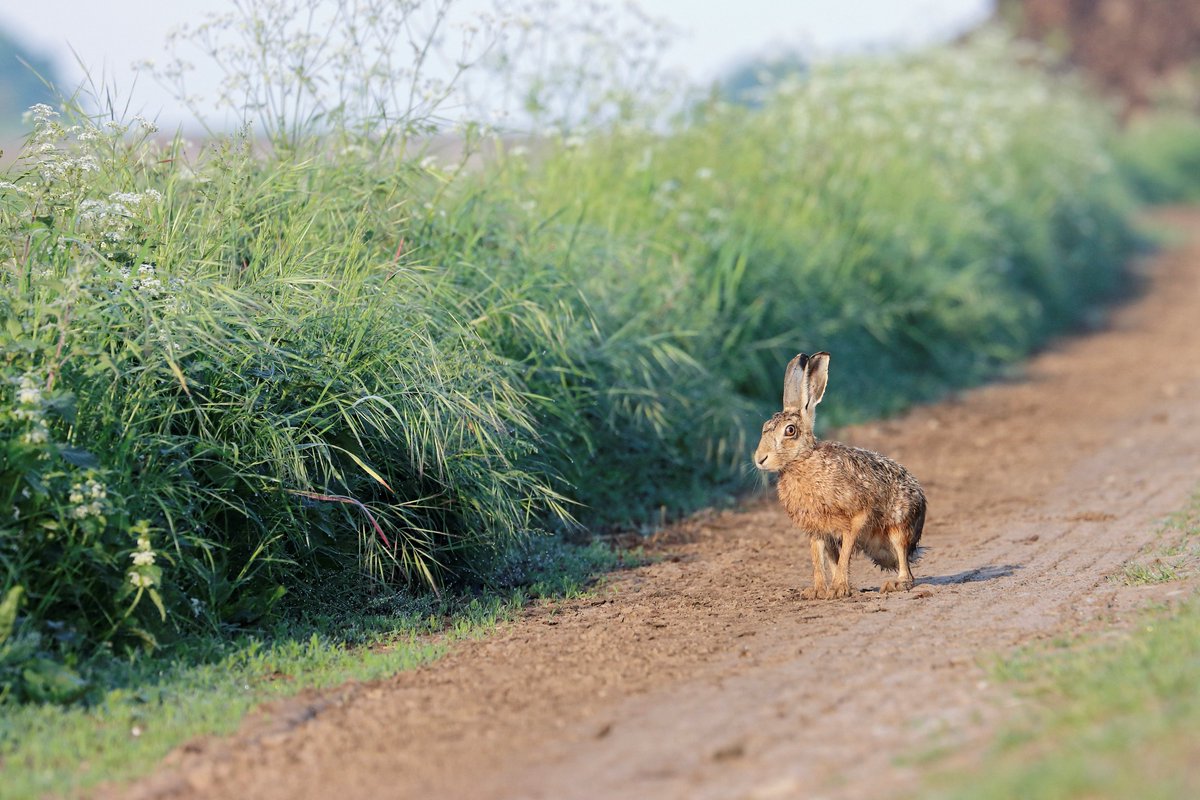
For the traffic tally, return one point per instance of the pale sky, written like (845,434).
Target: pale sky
(110,35)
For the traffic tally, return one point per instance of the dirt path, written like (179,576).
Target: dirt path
(706,675)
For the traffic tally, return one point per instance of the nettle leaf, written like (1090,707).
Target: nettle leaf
(64,406)
(78,457)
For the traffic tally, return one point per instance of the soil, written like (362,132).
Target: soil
(705,674)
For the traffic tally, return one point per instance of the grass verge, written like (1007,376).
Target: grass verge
(206,685)
(1109,716)
(1174,554)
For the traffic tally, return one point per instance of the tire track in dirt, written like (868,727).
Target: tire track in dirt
(705,675)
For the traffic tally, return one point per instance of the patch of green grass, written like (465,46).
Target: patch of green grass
(1155,571)
(1175,553)
(206,685)
(1115,715)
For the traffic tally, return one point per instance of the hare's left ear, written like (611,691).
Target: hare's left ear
(795,383)
(816,376)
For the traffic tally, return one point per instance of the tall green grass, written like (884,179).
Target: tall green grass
(334,363)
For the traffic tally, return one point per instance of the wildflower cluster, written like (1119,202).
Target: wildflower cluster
(66,175)
(88,499)
(145,281)
(144,574)
(111,222)
(28,412)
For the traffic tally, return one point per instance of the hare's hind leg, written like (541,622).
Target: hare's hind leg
(898,538)
(820,560)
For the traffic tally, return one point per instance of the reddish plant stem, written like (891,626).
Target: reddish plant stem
(338,498)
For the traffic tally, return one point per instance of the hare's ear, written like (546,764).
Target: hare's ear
(816,376)
(794,384)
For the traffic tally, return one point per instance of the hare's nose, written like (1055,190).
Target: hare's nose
(763,460)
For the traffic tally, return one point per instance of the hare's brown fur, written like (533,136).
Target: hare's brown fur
(846,499)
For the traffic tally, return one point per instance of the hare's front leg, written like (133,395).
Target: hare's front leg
(816,545)
(841,575)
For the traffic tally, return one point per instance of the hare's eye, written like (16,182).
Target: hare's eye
(789,431)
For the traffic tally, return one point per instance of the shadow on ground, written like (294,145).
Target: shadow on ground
(988,573)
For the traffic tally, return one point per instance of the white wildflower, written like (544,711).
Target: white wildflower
(140,581)
(143,558)
(38,435)
(81,493)
(41,112)
(28,394)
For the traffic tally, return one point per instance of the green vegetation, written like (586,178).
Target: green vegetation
(334,362)
(1159,156)
(207,684)
(1173,556)
(1112,715)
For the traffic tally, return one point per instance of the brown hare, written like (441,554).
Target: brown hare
(845,498)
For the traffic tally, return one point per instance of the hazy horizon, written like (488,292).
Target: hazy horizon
(105,40)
